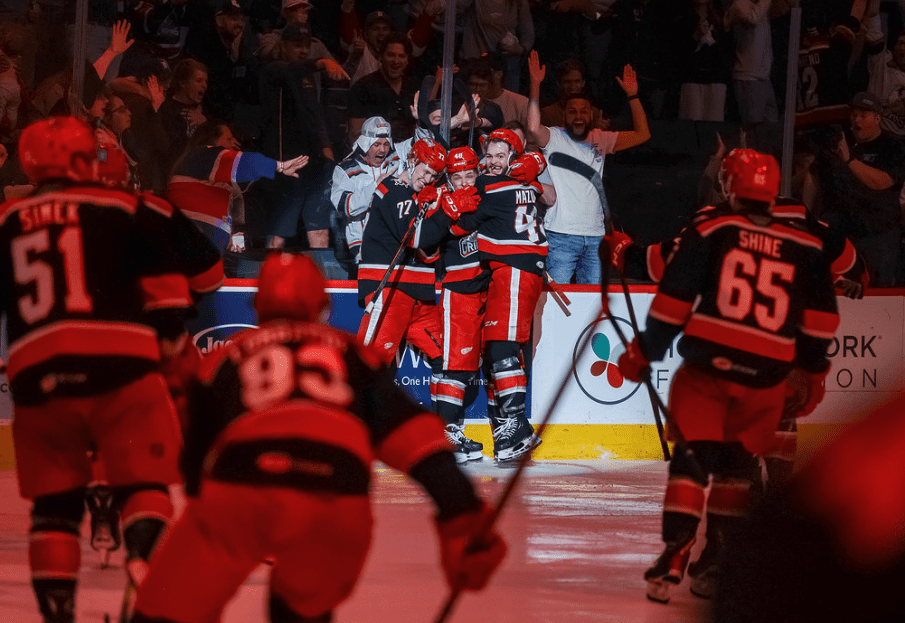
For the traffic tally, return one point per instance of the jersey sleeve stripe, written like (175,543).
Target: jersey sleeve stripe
(819,324)
(209,280)
(83,338)
(167,291)
(413,441)
(846,260)
(655,263)
(670,310)
(748,339)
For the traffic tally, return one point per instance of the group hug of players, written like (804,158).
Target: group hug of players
(274,435)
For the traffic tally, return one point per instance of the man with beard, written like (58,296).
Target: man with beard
(577,221)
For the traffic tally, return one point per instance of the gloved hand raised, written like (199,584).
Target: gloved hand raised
(466,563)
(632,363)
(460,202)
(618,245)
(526,168)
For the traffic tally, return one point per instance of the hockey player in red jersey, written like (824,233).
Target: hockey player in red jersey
(512,246)
(462,300)
(753,295)
(92,297)
(285,423)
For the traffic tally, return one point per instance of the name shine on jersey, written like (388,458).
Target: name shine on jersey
(753,299)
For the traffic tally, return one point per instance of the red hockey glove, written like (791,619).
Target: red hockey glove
(632,363)
(178,370)
(428,194)
(804,391)
(618,244)
(466,564)
(526,168)
(460,202)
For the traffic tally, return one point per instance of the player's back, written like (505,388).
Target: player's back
(84,271)
(763,284)
(303,390)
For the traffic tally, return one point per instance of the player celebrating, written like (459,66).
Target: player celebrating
(285,423)
(765,307)
(93,298)
(513,246)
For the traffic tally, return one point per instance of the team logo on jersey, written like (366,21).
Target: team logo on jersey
(596,370)
(468,245)
(217,337)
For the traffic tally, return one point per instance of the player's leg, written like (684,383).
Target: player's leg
(51,443)
(321,558)
(385,326)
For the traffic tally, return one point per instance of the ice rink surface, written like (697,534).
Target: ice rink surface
(580,535)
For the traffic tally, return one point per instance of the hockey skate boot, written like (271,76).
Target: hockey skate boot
(465,449)
(105,533)
(704,571)
(512,437)
(669,569)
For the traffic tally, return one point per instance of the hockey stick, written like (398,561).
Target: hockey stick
(406,238)
(558,295)
(522,463)
(656,401)
(650,387)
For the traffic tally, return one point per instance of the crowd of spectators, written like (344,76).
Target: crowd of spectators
(302,77)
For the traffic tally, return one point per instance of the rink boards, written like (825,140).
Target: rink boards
(598,415)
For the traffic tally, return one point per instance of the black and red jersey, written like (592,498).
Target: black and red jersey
(509,228)
(394,208)
(89,278)
(201,262)
(339,409)
(753,295)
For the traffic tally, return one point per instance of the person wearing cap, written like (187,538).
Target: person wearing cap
(356,177)
(364,44)
(232,68)
(861,180)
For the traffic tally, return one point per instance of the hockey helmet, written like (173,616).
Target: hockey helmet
(461,159)
(430,153)
(290,286)
(112,165)
(510,138)
(47,148)
(748,174)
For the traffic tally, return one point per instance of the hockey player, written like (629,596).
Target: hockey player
(512,246)
(285,423)
(93,299)
(462,299)
(754,298)
(355,179)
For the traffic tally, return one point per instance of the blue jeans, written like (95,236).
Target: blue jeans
(569,254)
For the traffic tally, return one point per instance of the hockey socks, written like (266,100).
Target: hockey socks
(54,554)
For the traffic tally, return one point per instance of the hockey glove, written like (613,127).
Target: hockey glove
(428,194)
(618,244)
(467,564)
(633,363)
(460,202)
(804,391)
(526,168)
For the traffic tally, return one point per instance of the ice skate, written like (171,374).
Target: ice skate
(669,569)
(105,533)
(704,573)
(465,449)
(513,437)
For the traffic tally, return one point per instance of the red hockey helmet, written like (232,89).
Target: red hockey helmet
(509,137)
(290,286)
(461,159)
(430,153)
(112,165)
(47,148)
(748,174)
